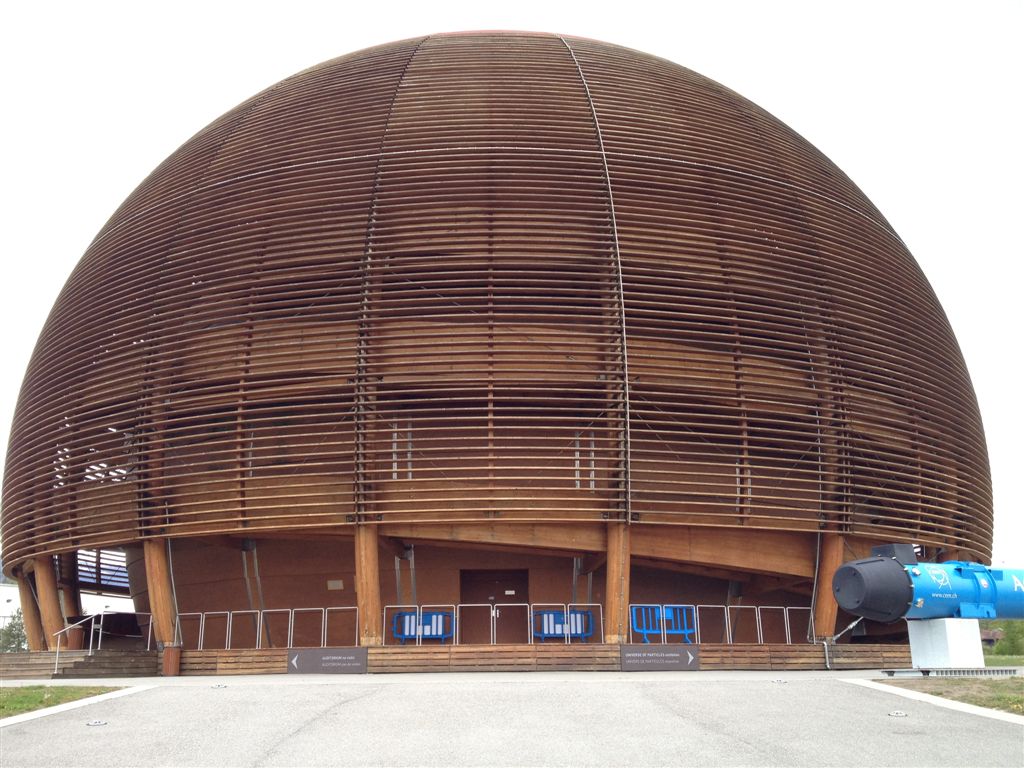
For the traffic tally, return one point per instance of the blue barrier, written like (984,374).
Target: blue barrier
(431,625)
(553,624)
(679,622)
(647,620)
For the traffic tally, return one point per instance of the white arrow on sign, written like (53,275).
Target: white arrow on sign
(295,661)
(691,657)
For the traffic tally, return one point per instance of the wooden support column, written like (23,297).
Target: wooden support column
(49,601)
(368,585)
(825,606)
(161,593)
(616,598)
(30,615)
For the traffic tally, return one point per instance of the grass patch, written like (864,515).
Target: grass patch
(991,660)
(1006,694)
(28,698)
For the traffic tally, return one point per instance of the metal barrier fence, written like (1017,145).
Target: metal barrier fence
(416,622)
(261,634)
(663,621)
(521,623)
(515,628)
(476,608)
(567,622)
(524,623)
(732,624)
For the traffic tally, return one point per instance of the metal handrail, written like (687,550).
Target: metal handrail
(58,633)
(149,629)
(90,617)
(92,633)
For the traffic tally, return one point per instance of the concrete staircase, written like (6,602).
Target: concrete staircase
(78,664)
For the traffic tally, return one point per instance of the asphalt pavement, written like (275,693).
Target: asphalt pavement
(513,719)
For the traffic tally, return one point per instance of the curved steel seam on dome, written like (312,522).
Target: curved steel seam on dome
(621,297)
(361,397)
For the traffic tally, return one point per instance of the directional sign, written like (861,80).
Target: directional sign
(658,658)
(327,661)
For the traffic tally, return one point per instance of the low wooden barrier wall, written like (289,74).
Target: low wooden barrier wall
(780,657)
(263,661)
(554,657)
(495,658)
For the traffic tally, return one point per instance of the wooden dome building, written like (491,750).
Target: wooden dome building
(490,318)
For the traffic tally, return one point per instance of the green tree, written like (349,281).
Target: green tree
(12,634)
(1012,643)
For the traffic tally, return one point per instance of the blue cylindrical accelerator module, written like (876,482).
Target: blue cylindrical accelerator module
(885,589)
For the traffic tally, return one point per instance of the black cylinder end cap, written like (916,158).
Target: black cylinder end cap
(876,588)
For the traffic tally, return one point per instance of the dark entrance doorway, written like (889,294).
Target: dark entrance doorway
(494,588)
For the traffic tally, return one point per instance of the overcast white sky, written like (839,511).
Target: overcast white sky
(918,102)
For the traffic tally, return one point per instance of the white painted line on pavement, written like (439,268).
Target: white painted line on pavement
(938,701)
(15,719)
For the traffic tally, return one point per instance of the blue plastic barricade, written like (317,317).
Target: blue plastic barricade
(552,624)
(679,622)
(581,624)
(433,625)
(646,621)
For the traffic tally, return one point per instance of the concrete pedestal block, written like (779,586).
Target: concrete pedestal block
(945,644)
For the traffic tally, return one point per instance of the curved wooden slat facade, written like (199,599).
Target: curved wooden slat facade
(495,277)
